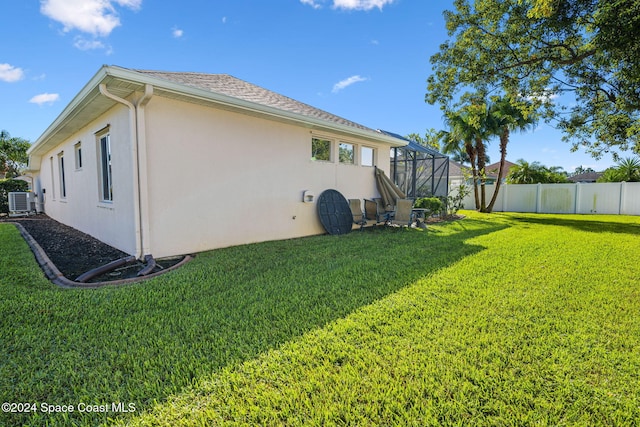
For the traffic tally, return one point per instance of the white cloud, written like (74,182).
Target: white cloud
(545,96)
(350,4)
(360,4)
(97,17)
(10,74)
(84,44)
(311,3)
(224,19)
(347,82)
(45,98)
(177,32)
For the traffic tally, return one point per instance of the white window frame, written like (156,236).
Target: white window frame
(53,181)
(352,150)
(61,176)
(77,154)
(105,169)
(331,149)
(362,157)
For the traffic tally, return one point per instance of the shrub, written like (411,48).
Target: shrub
(431,204)
(7,186)
(455,202)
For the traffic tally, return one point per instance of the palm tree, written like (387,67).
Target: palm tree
(482,125)
(627,170)
(506,116)
(524,172)
(460,138)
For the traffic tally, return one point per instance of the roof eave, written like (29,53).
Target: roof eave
(252,107)
(84,97)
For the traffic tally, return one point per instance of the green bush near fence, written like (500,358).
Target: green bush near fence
(433,205)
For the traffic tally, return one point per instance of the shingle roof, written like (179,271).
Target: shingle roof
(230,86)
(586,177)
(456,169)
(492,169)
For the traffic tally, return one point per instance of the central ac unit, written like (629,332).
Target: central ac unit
(21,203)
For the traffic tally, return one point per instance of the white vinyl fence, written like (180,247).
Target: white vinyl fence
(619,198)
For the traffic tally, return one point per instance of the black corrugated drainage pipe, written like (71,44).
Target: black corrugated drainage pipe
(151,264)
(84,277)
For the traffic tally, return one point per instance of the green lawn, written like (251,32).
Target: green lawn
(505,319)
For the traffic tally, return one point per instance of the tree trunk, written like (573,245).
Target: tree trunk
(474,173)
(482,160)
(504,140)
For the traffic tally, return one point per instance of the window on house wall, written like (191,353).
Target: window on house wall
(366,156)
(321,149)
(346,153)
(77,151)
(53,183)
(63,184)
(106,178)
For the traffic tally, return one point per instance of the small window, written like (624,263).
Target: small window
(106,179)
(346,153)
(366,156)
(77,149)
(321,149)
(53,182)
(63,184)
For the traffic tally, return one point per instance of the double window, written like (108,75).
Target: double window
(322,150)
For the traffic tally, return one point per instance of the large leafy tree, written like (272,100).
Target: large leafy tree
(430,138)
(13,154)
(542,49)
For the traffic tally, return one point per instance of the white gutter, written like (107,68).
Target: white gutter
(140,196)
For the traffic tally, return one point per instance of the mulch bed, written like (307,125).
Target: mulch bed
(73,252)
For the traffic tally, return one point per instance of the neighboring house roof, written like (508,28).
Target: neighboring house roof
(493,168)
(458,169)
(586,177)
(219,90)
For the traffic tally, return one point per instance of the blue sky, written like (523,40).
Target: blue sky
(365,60)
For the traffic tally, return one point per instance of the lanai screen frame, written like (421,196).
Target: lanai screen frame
(419,171)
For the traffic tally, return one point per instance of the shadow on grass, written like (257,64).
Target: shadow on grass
(144,342)
(581,223)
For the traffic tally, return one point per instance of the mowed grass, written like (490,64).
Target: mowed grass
(502,319)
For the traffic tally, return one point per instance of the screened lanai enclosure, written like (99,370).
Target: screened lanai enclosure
(419,171)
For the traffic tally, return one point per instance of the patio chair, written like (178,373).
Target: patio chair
(403,215)
(356,211)
(375,211)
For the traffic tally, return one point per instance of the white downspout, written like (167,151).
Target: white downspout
(140,238)
(143,182)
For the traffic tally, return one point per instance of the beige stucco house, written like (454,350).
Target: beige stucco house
(162,164)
